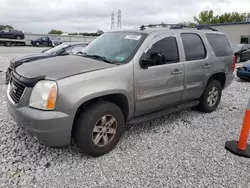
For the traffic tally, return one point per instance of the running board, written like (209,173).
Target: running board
(158,114)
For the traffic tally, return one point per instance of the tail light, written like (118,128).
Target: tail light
(234,63)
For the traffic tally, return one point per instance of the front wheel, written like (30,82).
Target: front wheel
(99,128)
(211,97)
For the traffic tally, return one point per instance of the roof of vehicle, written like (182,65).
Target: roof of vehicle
(149,30)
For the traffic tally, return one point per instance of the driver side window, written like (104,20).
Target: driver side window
(164,51)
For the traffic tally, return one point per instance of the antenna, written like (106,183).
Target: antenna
(112,27)
(119,16)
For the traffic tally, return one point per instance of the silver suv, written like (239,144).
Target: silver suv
(122,77)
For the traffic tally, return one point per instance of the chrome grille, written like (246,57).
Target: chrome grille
(16,90)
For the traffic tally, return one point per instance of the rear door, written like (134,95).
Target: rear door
(197,63)
(161,84)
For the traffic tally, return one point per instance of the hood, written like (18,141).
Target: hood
(24,59)
(247,64)
(60,67)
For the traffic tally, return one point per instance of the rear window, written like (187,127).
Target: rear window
(193,46)
(219,44)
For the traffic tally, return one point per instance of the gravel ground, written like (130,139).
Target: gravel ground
(185,149)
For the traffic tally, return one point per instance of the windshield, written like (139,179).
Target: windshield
(56,49)
(115,47)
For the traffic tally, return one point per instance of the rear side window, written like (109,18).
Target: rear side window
(219,44)
(193,46)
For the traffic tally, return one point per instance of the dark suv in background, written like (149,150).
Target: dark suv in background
(12,34)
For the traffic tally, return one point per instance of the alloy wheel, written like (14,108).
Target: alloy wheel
(104,130)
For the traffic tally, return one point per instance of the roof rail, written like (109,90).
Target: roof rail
(176,26)
(203,27)
(162,25)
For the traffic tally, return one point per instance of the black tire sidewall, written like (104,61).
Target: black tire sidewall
(8,44)
(203,100)
(85,124)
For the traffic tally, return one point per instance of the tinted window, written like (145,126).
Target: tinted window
(219,44)
(168,48)
(193,46)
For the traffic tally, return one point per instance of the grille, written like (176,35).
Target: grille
(16,90)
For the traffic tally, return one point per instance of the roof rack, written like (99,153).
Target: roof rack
(162,25)
(203,27)
(176,26)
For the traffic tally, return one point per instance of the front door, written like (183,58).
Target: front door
(161,84)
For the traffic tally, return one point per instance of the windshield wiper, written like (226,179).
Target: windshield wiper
(98,57)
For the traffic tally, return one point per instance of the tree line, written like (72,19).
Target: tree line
(208,17)
(205,17)
(59,32)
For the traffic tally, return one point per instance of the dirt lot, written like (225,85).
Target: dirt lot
(185,149)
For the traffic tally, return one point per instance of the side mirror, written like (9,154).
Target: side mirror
(145,63)
(153,59)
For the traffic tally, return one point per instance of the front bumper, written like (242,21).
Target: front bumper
(7,76)
(50,128)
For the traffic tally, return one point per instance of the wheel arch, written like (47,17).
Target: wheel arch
(120,99)
(219,76)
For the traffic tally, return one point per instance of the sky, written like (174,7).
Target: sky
(40,16)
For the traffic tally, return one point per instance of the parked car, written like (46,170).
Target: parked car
(243,72)
(12,34)
(242,52)
(46,41)
(122,77)
(63,49)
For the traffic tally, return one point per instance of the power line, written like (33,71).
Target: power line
(119,17)
(112,27)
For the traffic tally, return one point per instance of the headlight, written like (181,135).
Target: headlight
(44,95)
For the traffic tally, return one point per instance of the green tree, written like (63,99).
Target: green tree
(208,17)
(99,32)
(57,32)
(2,27)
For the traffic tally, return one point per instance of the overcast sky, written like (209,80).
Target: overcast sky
(40,16)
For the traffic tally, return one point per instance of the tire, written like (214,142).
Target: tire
(86,121)
(238,59)
(18,38)
(8,44)
(37,43)
(203,105)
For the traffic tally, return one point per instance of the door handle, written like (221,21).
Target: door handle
(206,66)
(176,72)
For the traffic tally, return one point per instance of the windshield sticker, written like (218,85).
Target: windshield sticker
(133,37)
(119,58)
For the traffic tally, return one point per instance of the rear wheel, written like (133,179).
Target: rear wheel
(37,43)
(8,44)
(99,128)
(211,97)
